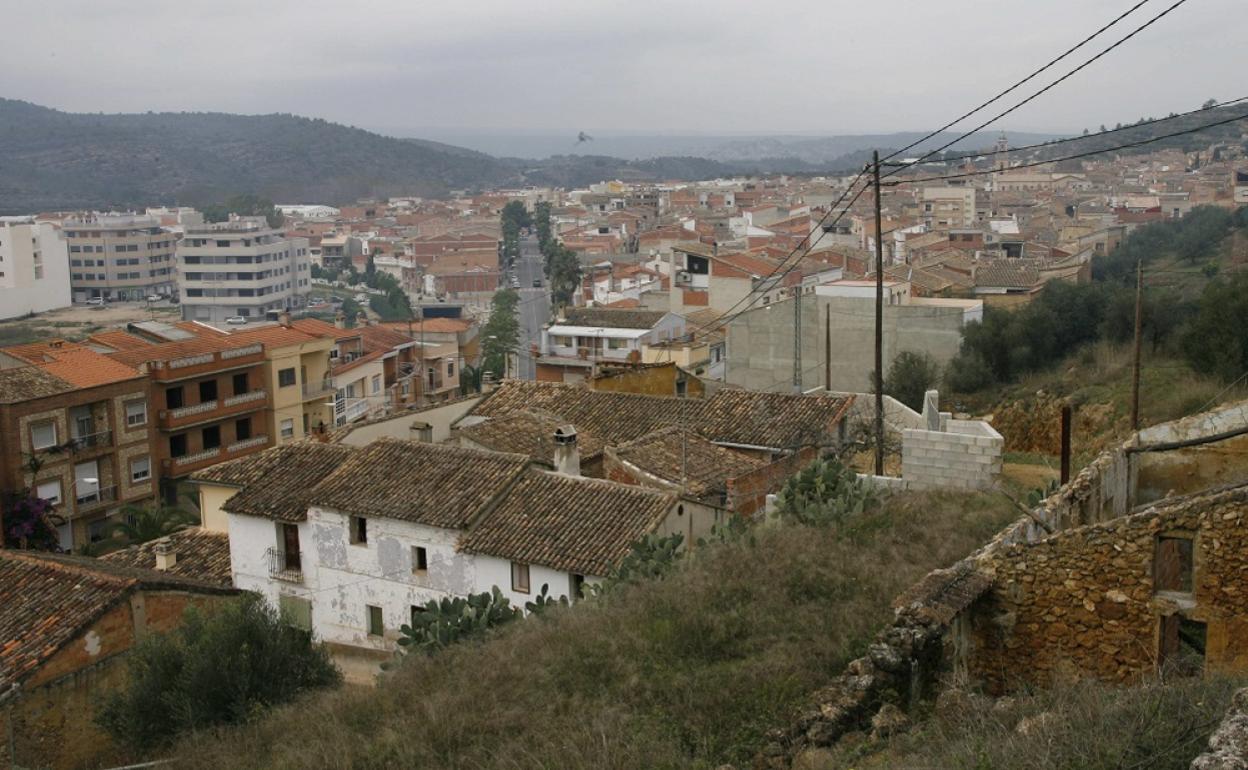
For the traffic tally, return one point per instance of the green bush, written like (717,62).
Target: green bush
(223,665)
(440,624)
(825,492)
(909,378)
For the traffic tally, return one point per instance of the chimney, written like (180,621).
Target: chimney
(340,320)
(283,318)
(361,318)
(567,456)
(166,557)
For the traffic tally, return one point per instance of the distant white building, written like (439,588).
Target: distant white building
(34,269)
(308,210)
(241,268)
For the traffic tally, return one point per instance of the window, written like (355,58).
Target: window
(519,577)
(616,343)
(173,397)
(43,435)
(286,377)
(242,429)
(577,586)
(295,611)
(288,428)
(376,383)
(375,625)
(358,526)
(207,391)
(1181,645)
(420,559)
(136,414)
(417,611)
(212,437)
(140,469)
(450,368)
(1172,563)
(177,445)
(50,491)
(239,383)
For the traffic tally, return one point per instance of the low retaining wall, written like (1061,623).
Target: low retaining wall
(965,456)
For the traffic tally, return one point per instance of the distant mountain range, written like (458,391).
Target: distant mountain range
(54,160)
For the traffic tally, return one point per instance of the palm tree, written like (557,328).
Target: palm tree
(144,523)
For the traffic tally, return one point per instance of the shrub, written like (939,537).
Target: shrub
(824,492)
(909,378)
(223,665)
(453,619)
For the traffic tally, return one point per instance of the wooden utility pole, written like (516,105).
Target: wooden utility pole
(797,339)
(827,347)
(1135,369)
(879,320)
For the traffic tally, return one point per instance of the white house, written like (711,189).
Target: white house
(351,542)
(34,268)
(608,334)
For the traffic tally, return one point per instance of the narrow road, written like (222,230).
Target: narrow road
(534,304)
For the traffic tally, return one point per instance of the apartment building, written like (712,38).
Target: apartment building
(297,375)
(119,257)
(210,396)
(944,207)
(576,345)
(34,268)
(75,429)
(241,268)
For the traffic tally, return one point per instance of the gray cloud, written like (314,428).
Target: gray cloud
(729,66)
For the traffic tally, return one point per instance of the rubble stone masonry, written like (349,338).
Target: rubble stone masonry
(1083,602)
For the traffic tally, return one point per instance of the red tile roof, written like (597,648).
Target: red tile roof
(76,364)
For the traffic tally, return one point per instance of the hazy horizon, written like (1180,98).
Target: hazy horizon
(776,69)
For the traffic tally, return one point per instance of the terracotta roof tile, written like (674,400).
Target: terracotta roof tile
(24,383)
(201,554)
(435,485)
(671,455)
(579,525)
(46,600)
(528,433)
(277,482)
(611,318)
(775,420)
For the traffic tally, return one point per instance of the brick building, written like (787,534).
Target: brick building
(75,429)
(68,623)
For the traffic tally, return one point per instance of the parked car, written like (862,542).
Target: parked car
(154,298)
(236,320)
(537,283)
(96,301)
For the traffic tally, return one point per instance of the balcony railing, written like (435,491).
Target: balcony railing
(207,454)
(285,565)
(90,498)
(244,398)
(91,441)
(247,443)
(317,388)
(356,410)
(189,411)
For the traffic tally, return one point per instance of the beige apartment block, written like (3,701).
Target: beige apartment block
(119,257)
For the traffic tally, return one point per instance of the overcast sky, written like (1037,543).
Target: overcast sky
(656,66)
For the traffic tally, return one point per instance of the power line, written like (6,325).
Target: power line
(1055,83)
(1086,137)
(1076,156)
(1025,80)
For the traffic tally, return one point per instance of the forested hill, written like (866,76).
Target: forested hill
(58,160)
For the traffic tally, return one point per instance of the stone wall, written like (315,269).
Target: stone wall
(1228,746)
(1083,602)
(967,455)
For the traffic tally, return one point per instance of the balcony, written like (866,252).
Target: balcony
(245,444)
(285,565)
(88,499)
(91,441)
(216,409)
(317,389)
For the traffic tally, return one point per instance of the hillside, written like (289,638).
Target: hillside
(58,160)
(689,671)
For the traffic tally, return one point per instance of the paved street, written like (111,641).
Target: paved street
(534,304)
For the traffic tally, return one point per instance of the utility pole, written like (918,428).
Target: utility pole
(797,340)
(1135,369)
(879,320)
(1065,448)
(827,347)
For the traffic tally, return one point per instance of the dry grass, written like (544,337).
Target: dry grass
(1071,727)
(686,672)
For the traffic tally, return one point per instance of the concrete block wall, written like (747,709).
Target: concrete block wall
(967,456)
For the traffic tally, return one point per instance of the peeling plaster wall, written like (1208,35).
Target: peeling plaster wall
(492,571)
(347,577)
